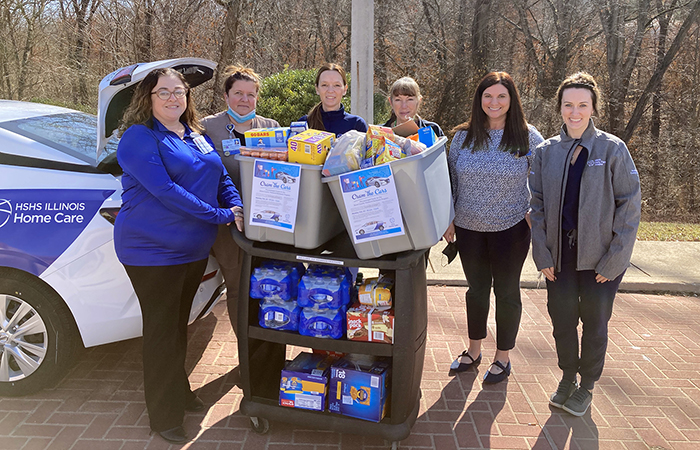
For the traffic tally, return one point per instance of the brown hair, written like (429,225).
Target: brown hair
(580,80)
(235,73)
(515,138)
(403,86)
(314,118)
(140,110)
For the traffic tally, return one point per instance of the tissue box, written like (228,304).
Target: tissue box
(367,323)
(310,147)
(359,387)
(267,137)
(304,381)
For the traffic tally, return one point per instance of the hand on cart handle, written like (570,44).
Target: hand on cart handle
(238,212)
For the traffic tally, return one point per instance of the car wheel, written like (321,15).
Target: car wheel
(381,227)
(258,216)
(361,232)
(285,180)
(38,336)
(377,184)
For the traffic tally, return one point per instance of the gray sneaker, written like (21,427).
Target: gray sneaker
(579,402)
(564,391)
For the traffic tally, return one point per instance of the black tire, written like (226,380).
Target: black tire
(361,232)
(381,227)
(259,216)
(56,335)
(259,425)
(377,184)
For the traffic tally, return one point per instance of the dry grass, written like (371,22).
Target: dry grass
(668,231)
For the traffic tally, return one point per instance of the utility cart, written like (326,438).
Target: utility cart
(262,352)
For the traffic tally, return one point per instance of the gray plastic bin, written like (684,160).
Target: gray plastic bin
(318,219)
(425,199)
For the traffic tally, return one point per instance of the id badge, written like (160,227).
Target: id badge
(231,146)
(201,143)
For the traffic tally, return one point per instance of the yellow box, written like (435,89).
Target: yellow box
(310,147)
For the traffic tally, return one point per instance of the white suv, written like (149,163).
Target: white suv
(61,285)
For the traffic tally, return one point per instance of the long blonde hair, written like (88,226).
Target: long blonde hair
(140,110)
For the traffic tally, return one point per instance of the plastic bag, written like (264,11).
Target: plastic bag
(410,147)
(346,154)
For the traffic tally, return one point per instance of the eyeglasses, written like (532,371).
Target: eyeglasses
(165,94)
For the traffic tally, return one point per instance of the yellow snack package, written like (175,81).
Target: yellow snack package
(390,151)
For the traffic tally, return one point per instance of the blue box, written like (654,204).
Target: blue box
(267,137)
(359,387)
(304,381)
(426,135)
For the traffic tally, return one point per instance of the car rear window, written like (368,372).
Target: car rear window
(72,133)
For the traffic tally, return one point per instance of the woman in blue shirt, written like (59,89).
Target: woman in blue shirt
(489,162)
(329,114)
(175,194)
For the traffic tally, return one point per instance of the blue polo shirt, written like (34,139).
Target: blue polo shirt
(174,196)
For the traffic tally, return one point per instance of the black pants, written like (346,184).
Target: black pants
(494,259)
(165,295)
(230,258)
(576,295)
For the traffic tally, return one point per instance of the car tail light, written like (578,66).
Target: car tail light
(209,276)
(110,214)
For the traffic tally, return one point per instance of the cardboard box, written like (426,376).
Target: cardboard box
(359,387)
(304,381)
(310,147)
(367,323)
(267,137)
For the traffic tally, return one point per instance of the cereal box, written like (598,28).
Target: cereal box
(304,381)
(367,323)
(310,147)
(267,137)
(359,387)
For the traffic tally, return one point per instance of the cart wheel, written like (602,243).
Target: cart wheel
(259,425)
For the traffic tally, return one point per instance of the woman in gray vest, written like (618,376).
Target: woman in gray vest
(241,87)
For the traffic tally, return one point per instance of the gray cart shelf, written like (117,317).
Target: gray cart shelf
(262,351)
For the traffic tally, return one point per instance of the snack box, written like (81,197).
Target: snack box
(296,128)
(310,147)
(370,324)
(267,137)
(359,387)
(376,292)
(304,381)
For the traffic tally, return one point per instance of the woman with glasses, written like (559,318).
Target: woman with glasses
(175,193)
(329,114)
(241,88)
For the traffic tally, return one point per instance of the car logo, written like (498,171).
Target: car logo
(5,211)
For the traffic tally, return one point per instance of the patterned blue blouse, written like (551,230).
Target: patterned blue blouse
(489,186)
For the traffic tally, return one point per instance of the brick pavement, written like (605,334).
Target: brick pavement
(648,398)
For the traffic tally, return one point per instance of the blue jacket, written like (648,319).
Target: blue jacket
(170,203)
(340,122)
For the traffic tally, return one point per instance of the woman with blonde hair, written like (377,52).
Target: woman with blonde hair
(405,99)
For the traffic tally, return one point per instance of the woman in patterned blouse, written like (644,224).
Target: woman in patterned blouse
(489,162)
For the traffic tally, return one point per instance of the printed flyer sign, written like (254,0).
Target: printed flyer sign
(372,204)
(275,195)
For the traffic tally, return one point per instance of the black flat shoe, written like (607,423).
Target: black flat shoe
(491,378)
(175,435)
(458,366)
(196,405)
